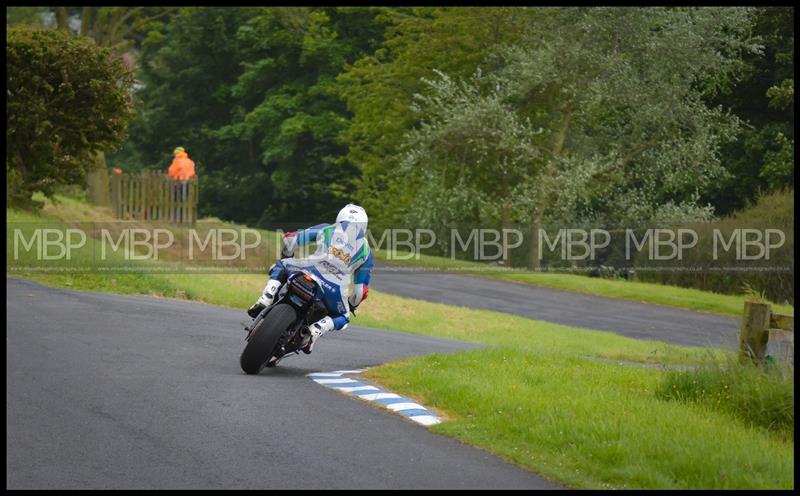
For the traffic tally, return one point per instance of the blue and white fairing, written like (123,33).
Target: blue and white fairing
(342,254)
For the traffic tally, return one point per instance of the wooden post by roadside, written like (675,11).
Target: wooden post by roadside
(753,335)
(114,182)
(780,344)
(766,333)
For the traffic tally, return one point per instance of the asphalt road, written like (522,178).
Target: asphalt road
(127,392)
(629,318)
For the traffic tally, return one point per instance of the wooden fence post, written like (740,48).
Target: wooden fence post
(190,198)
(754,333)
(766,334)
(114,182)
(780,344)
(129,199)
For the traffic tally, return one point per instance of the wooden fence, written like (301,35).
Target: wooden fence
(154,196)
(765,333)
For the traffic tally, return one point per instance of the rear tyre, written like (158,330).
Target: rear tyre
(264,338)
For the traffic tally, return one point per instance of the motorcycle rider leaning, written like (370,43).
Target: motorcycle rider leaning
(342,251)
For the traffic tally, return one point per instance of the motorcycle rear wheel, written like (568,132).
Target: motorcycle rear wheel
(264,338)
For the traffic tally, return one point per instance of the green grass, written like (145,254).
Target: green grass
(759,396)
(501,329)
(589,424)
(659,294)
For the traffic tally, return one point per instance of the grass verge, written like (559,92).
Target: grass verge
(759,396)
(589,424)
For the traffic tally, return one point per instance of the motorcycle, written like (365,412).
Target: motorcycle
(282,328)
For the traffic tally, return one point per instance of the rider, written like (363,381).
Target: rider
(342,250)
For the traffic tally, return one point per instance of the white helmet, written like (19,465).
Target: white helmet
(353,213)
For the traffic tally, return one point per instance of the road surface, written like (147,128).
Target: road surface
(132,392)
(629,318)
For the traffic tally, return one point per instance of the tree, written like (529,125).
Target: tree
(28,16)
(379,86)
(761,158)
(188,68)
(255,107)
(112,27)
(611,120)
(287,108)
(66,100)
(117,28)
(472,152)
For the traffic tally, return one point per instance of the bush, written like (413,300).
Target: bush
(66,100)
(757,396)
(726,274)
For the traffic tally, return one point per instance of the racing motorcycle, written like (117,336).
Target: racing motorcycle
(282,328)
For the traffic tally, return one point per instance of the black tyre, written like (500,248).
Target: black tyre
(264,338)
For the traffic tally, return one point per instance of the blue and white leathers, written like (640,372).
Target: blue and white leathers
(342,253)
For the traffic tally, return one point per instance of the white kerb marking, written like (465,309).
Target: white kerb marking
(335,381)
(378,396)
(425,419)
(405,406)
(355,388)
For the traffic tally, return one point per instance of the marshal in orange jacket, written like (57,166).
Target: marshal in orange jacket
(182,167)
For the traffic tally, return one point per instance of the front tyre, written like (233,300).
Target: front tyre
(264,338)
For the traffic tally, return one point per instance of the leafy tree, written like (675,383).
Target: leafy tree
(313,106)
(187,69)
(472,152)
(287,107)
(112,27)
(66,100)
(379,87)
(117,28)
(28,16)
(761,158)
(255,107)
(611,124)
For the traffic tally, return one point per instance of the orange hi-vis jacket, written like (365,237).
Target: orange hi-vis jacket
(182,167)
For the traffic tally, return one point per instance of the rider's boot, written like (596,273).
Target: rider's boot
(266,298)
(317,329)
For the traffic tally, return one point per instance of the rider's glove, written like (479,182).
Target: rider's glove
(359,294)
(289,244)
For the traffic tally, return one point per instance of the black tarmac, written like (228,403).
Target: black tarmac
(132,392)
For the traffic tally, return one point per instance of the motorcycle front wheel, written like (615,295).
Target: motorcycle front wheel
(264,338)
